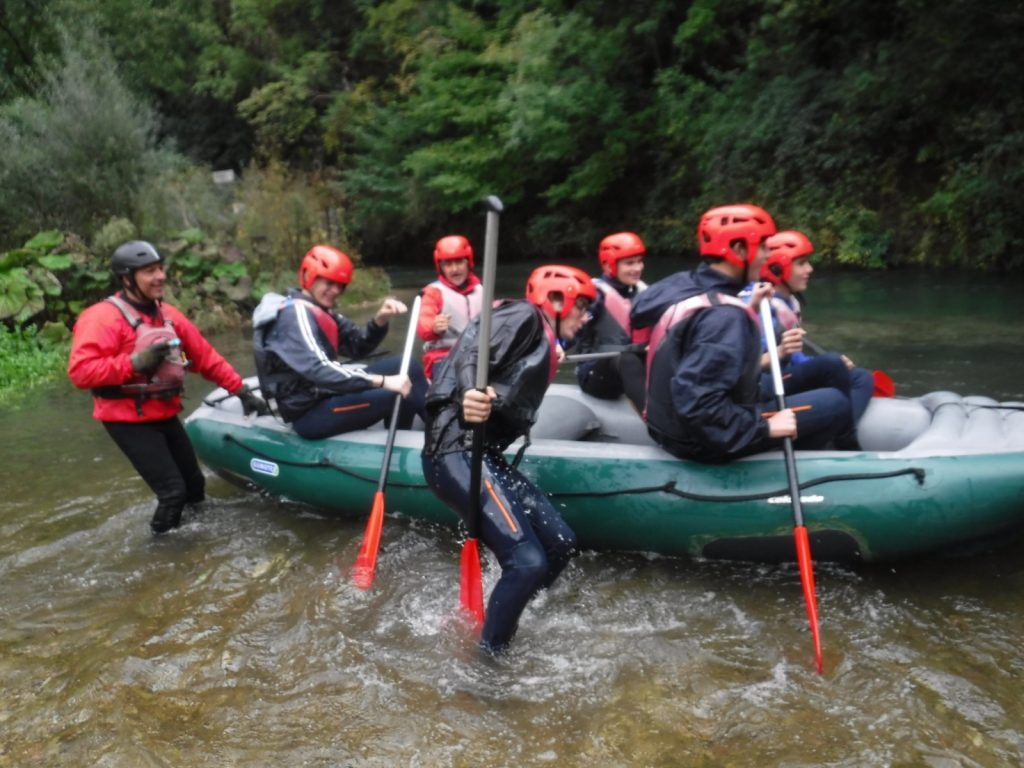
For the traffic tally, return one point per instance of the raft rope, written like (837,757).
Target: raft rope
(669,487)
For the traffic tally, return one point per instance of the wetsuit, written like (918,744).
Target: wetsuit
(607,330)
(703,395)
(519,524)
(297,344)
(145,427)
(460,302)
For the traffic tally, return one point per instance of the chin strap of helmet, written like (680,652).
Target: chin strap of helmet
(131,288)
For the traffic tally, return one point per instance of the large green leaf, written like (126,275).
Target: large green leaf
(20,296)
(56,261)
(46,241)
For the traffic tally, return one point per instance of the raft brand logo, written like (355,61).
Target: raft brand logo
(264,467)
(816,499)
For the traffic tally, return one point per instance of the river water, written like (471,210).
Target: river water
(239,640)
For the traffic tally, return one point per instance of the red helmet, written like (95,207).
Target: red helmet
(326,262)
(614,248)
(450,248)
(719,227)
(553,278)
(783,249)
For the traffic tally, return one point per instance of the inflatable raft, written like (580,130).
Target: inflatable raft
(937,474)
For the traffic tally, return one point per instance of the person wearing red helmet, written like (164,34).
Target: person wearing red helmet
(519,523)
(703,367)
(622,264)
(450,302)
(129,350)
(298,338)
(788,268)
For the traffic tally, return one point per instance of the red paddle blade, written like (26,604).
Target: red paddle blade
(884,385)
(366,562)
(471,589)
(803,558)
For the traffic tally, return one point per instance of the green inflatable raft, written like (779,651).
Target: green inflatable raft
(938,474)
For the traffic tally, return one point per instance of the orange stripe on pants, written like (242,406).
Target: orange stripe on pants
(769,414)
(343,408)
(508,518)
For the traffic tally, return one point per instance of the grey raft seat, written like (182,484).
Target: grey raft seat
(569,414)
(942,421)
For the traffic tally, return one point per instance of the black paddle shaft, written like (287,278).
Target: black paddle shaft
(483,358)
(780,404)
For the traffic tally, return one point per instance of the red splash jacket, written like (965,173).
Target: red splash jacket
(101,357)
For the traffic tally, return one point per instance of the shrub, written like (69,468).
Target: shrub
(25,360)
(78,151)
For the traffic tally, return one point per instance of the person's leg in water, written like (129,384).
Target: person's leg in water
(527,535)
(163,456)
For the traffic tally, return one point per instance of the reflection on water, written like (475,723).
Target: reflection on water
(239,639)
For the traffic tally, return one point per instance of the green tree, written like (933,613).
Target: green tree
(77,152)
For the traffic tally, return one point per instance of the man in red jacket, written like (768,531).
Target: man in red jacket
(128,349)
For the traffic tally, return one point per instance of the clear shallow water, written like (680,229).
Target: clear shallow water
(238,640)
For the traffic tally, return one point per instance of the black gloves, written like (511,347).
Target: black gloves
(148,360)
(251,402)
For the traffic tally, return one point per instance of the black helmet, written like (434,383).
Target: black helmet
(133,255)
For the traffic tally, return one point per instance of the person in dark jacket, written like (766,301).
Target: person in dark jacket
(622,263)
(127,350)
(788,268)
(297,339)
(703,365)
(518,521)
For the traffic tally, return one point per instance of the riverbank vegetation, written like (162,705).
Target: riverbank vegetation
(891,132)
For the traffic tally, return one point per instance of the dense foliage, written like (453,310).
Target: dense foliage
(890,130)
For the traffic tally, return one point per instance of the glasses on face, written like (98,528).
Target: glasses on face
(582,304)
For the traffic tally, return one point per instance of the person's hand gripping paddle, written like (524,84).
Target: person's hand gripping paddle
(366,562)
(803,546)
(471,591)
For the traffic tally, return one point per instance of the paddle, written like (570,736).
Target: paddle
(803,546)
(884,385)
(366,562)
(579,358)
(471,591)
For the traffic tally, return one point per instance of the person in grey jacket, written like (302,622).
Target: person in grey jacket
(298,338)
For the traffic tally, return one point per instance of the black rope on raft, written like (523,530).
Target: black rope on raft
(669,487)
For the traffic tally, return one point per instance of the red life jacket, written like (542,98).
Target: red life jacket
(549,332)
(613,326)
(461,307)
(682,312)
(786,316)
(168,378)
(324,320)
